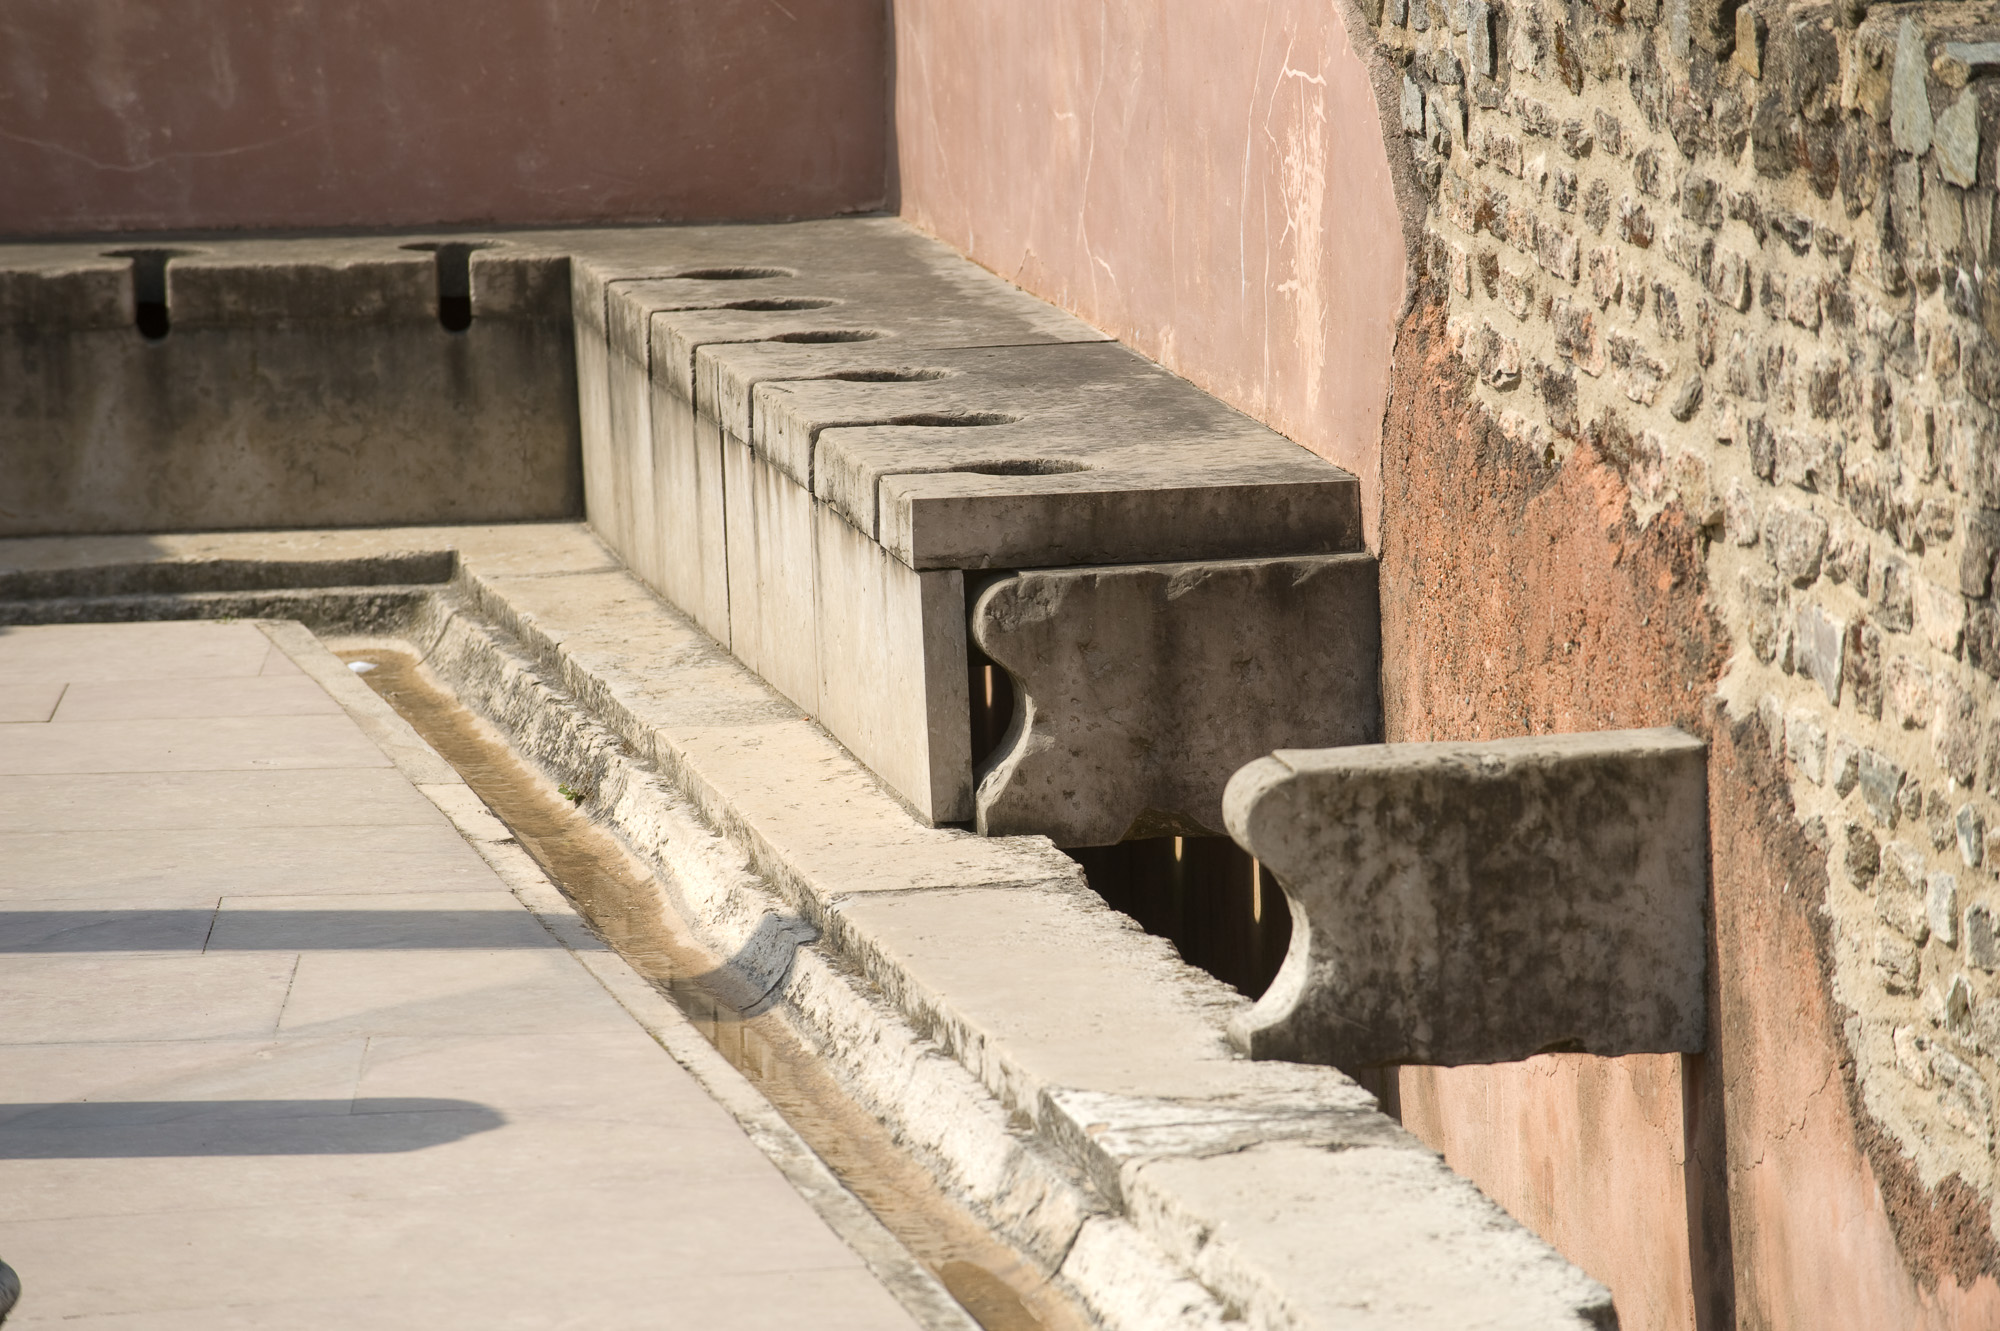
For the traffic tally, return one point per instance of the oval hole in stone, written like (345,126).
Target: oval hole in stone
(780,303)
(890,376)
(731,274)
(953,418)
(828,335)
(1024,467)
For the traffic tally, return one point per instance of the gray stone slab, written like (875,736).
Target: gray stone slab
(60,999)
(1389,1215)
(269,694)
(892,675)
(1053,455)
(28,703)
(303,382)
(93,653)
(174,865)
(1142,688)
(1482,902)
(689,513)
(179,801)
(773,579)
(444,993)
(205,744)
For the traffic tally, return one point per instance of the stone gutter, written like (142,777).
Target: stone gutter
(1063,1072)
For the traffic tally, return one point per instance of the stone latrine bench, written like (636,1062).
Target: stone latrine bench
(864,465)
(869,468)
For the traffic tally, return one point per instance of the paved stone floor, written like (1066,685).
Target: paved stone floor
(279,1049)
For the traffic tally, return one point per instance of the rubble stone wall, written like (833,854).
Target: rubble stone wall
(1730,271)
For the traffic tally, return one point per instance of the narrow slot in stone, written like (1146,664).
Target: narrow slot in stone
(453,260)
(149,290)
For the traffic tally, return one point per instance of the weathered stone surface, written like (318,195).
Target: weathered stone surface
(1466,903)
(1957,141)
(1141,688)
(1043,456)
(289,383)
(1910,122)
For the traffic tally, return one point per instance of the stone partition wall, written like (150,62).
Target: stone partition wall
(1693,422)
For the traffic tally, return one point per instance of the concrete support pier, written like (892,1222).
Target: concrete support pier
(283,1042)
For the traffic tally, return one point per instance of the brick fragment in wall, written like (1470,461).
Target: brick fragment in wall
(1941,616)
(1562,190)
(1640,373)
(1808,459)
(1694,252)
(1956,141)
(1704,331)
(1701,200)
(1937,819)
(1517,292)
(1413,106)
(1634,225)
(1607,281)
(1559,252)
(1847,557)
(1743,206)
(1941,907)
(1739,515)
(1866,492)
(1977,553)
(1556,386)
(1861,668)
(1879,401)
(1792,228)
(1805,744)
(1802,302)
(1728,271)
(1667,312)
(1861,162)
(1597,205)
(1982,640)
(1913,1054)
(1982,939)
(1861,855)
(1762,599)
(1743,368)
(1906,693)
(1893,599)
(1824,390)
(1969,830)
(1967,1102)
(1535,117)
(1576,138)
(1955,730)
(1910,801)
(1794,541)
(1843,760)
(1687,401)
(1819,645)
(1944,353)
(1899,902)
(1695,483)
(1898,962)
(1479,37)
(1577,336)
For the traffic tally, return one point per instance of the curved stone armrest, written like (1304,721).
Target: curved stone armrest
(1478,903)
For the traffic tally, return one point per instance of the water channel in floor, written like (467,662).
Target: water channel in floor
(1002,1288)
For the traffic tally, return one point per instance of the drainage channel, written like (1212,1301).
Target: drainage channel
(1001,1288)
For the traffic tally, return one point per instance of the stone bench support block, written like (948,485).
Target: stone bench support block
(1478,903)
(1141,687)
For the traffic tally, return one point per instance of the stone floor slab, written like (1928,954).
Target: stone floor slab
(100,802)
(28,703)
(172,867)
(206,744)
(94,653)
(267,694)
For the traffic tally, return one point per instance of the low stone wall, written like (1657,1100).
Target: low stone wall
(170,386)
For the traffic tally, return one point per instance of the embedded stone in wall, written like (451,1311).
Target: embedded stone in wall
(1465,903)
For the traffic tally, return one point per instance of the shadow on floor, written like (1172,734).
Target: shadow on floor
(133,1129)
(237,930)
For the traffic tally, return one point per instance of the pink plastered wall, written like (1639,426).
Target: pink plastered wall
(150,115)
(1206,182)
